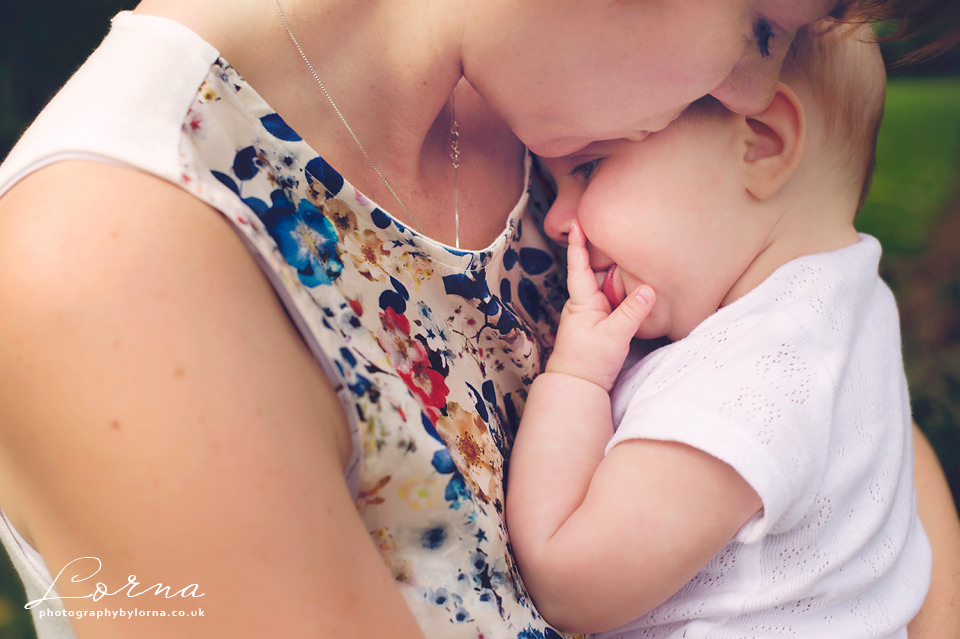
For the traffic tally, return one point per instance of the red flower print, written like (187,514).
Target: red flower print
(428,386)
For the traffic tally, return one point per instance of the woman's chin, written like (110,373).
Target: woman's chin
(555,147)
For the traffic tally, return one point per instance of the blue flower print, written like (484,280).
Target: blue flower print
(280,129)
(473,286)
(457,491)
(535,261)
(533,633)
(306,238)
(435,349)
(434,538)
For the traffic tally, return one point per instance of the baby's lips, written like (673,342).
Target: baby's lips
(609,287)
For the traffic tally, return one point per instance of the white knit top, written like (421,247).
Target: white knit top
(799,386)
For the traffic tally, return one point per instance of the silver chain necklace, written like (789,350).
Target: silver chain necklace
(454,137)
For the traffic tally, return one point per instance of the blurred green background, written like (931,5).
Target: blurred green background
(914,206)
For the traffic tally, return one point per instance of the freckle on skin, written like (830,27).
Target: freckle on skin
(115,425)
(179,371)
(116,345)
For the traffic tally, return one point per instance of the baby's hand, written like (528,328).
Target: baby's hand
(592,341)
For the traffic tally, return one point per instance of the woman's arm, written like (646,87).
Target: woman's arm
(940,614)
(159,412)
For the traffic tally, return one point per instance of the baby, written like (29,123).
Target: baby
(753,477)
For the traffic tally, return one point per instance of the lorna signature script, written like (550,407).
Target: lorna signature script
(102,591)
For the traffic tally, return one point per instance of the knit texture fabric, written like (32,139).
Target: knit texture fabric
(799,386)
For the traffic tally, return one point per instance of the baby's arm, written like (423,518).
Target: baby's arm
(602,540)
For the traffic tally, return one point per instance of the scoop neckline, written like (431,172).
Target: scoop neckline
(434,249)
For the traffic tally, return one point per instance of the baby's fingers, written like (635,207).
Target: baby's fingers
(624,322)
(581,282)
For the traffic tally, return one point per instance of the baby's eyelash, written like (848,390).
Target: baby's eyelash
(763,32)
(585,169)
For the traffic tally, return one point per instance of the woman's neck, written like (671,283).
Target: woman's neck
(390,66)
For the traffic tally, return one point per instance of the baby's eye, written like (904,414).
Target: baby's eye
(586,169)
(763,32)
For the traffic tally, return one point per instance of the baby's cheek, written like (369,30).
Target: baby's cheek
(593,214)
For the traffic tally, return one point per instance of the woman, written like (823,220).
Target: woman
(321,450)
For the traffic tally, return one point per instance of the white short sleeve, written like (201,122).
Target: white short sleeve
(754,385)
(799,386)
(757,398)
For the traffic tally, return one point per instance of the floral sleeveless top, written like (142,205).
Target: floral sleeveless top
(434,349)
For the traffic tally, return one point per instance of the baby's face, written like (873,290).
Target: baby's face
(670,211)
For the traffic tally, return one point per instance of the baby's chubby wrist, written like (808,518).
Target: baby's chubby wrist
(579,365)
(567,385)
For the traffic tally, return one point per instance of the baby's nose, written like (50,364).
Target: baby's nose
(559,217)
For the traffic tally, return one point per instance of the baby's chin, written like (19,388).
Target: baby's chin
(659,323)
(611,284)
(650,328)
(666,324)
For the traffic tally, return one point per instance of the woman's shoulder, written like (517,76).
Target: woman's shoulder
(115,263)
(155,395)
(74,223)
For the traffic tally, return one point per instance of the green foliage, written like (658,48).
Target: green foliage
(917,158)
(15,622)
(914,210)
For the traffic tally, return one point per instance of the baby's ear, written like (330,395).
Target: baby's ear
(775,141)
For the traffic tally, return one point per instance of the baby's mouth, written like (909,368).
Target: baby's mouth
(610,289)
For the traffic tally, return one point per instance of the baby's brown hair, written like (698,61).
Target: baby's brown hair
(838,72)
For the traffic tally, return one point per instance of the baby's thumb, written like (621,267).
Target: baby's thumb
(624,322)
